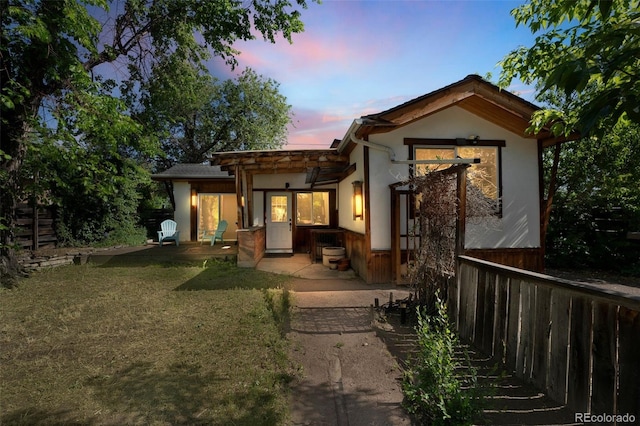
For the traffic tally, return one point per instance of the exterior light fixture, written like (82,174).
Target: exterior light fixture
(194,198)
(357,200)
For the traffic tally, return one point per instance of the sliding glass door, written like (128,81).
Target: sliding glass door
(208,213)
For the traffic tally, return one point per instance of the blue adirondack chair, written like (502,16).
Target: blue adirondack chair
(218,234)
(169,232)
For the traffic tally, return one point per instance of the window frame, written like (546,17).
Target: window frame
(472,142)
(327,213)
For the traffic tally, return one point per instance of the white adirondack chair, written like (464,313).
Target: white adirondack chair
(169,232)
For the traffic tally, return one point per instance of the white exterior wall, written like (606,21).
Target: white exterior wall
(345,195)
(258,208)
(519,225)
(182,215)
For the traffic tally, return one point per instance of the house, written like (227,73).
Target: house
(204,196)
(352,194)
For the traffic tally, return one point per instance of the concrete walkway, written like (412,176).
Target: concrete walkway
(348,376)
(352,364)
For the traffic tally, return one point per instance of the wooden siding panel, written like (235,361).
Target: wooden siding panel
(529,259)
(379,267)
(223,187)
(356,252)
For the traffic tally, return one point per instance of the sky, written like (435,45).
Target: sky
(359,57)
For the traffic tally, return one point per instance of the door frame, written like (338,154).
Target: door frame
(270,227)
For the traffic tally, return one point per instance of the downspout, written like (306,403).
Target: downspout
(380,147)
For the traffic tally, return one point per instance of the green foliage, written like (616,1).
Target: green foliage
(52,95)
(589,51)
(597,178)
(439,387)
(194,115)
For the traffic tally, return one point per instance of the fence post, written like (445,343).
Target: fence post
(35,227)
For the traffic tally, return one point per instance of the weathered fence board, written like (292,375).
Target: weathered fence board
(629,362)
(513,328)
(35,227)
(529,306)
(579,343)
(488,313)
(467,304)
(501,319)
(559,345)
(604,369)
(541,337)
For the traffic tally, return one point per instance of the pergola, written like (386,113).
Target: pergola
(321,167)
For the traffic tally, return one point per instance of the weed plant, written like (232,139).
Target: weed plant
(440,387)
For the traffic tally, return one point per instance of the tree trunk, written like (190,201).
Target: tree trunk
(551,192)
(13,147)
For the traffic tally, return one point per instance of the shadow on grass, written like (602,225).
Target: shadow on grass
(184,255)
(182,395)
(219,275)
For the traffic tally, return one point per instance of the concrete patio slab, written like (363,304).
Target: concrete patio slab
(299,265)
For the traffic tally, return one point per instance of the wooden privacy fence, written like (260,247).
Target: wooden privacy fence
(578,343)
(35,226)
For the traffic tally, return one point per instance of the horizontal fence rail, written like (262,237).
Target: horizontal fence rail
(577,342)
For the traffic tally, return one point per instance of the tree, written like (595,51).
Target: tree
(50,52)
(194,115)
(590,51)
(596,178)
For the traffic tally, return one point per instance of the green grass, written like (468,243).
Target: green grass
(158,345)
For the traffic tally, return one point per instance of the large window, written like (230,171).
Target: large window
(312,208)
(208,213)
(484,175)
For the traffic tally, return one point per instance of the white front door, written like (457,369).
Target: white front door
(278,224)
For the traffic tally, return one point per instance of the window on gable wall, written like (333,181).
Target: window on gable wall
(484,175)
(312,208)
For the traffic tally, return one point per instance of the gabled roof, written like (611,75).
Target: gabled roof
(473,94)
(192,172)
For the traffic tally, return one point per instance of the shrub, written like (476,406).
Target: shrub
(435,390)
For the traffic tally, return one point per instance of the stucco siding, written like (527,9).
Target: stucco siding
(345,195)
(182,215)
(519,224)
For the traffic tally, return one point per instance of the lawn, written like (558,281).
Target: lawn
(157,345)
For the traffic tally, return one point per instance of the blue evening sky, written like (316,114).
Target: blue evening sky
(359,57)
